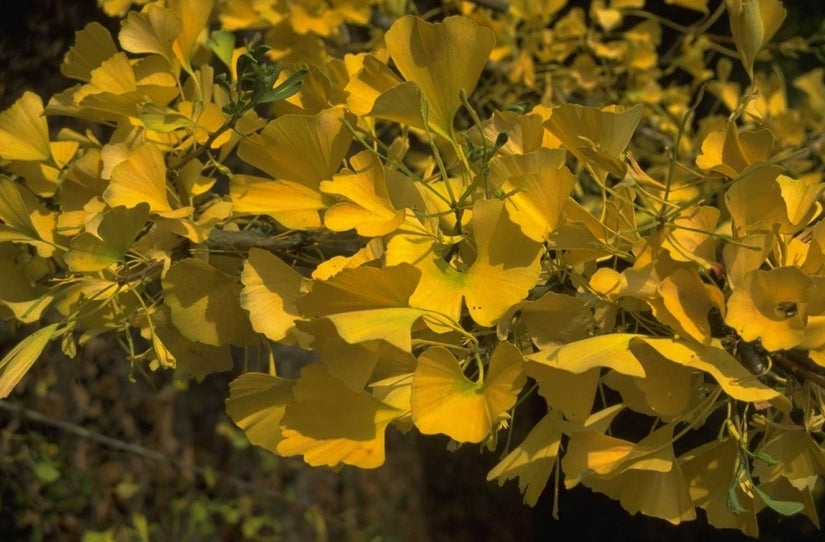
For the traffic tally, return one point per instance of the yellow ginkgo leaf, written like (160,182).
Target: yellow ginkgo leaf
(734,379)
(370,79)
(194,20)
(684,301)
(506,266)
(612,350)
(771,306)
(369,210)
(656,493)
(204,304)
(329,424)
(367,303)
(24,133)
(151,31)
(256,404)
(753,23)
(711,493)
(533,460)
(572,394)
(535,201)
(445,401)
(192,359)
(556,319)
(687,241)
(443,59)
(305,149)
(598,137)
(17,362)
(797,457)
(292,204)
(270,289)
(755,202)
(356,364)
(24,219)
(24,299)
(115,235)
(142,178)
(730,152)
(92,46)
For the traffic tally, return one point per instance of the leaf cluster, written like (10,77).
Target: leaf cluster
(605,210)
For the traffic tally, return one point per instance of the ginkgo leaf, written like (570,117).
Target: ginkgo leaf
(304,149)
(24,133)
(204,304)
(687,240)
(535,201)
(356,364)
(369,210)
(256,404)
(25,300)
(92,46)
(194,19)
(710,492)
(151,31)
(797,457)
(116,233)
(506,266)
(729,151)
(533,460)
(372,78)
(696,5)
(611,350)
(367,303)
(270,289)
(555,319)
(753,23)
(598,137)
(771,306)
(329,424)
(445,401)
(17,362)
(292,204)
(25,220)
(442,59)
(714,360)
(570,393)
(684,304)
(142,178)
(191,358)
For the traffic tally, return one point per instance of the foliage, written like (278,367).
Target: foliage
(456,211)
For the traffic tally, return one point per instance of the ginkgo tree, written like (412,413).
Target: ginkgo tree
(457,212)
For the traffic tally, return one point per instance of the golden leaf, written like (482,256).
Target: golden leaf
(442,59)
(24,133)
(270,290)
(116,233)
(533,460)
(445,401)
(256,404)
(329,424)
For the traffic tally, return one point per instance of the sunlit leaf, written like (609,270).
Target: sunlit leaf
(445,401)
(270,289)
(92,46)
(205,304)
(17,362)
(506,266)
(367,303)
(443,59)
(24,133)
(729,373)
(256,404)
(115,235)
(753,23)
(533,460)
(329,424)
(612,350)
(369,210)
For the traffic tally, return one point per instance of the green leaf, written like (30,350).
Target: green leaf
(786,508)
(46,471)
(19,360)
(222,43)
